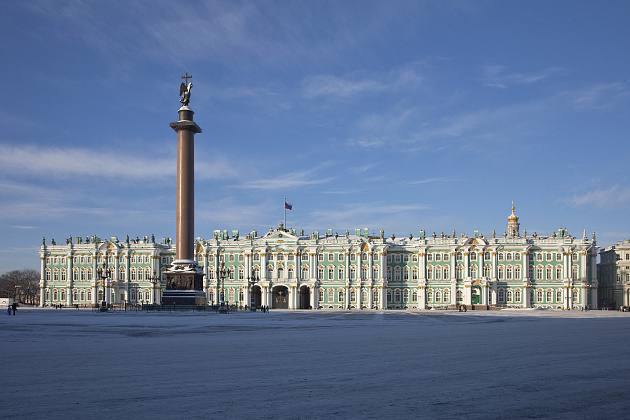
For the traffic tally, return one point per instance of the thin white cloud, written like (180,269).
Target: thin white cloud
(598,96)
(287,181)
(68,162)
(347,86)
(429,180)
(610,197)
(363,214)
(497,76)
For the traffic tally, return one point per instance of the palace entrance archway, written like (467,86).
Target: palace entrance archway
(280,297)
(476,295)
(304,295)
(256,297)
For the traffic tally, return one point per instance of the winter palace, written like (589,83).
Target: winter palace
(283,269)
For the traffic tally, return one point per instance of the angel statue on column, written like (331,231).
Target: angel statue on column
(184,93)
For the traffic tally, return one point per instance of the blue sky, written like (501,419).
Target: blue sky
(395,115)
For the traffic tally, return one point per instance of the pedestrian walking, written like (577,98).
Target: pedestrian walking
(9,309)
(14,307)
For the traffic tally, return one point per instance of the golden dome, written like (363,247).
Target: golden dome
(513,217)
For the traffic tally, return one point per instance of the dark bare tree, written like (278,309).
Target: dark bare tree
(23,285)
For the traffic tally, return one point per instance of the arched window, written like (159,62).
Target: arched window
(89,295)
(414,274)
(375,273)
(509,295)
(331,295)
(549,296)
(406,295)
(501,273)
(430,273)
(501,296)
(133,275)
(121,274)
(47,275)
(517,296)
(558,272)
(447,296)
(459,296)
(55,275)
(82,295)
(353,296)
(508,256)
(438,296)
(473,256)
(487,270)
(75,274)
(548,273)
(55,296)
(331,273)
(321,295)
(241,273)
(406,273)
(445,272)
(340,295)
(576,296)
(320,273)
(304,273)
(559,295)
(414,296)
(539,272)
(574,272)
(63,295)
(63,274)
(438,273)
(539,296)
(430,295)
(517,272)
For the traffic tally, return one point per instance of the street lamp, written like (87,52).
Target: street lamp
(155,279)
(253,279)
(221,274)
(104,273)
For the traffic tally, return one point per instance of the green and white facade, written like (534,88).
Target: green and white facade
(284,269)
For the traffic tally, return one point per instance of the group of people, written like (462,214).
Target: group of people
(11,309)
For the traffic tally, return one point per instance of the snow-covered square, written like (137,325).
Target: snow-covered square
(309,365)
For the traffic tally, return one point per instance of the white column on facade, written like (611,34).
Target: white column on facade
(42,279)
(313,298)
(94,285)
(382,301)
(525,273)
(217,294)
(370,273)
(69,268)
(206,276)
(291,297)
(370,295)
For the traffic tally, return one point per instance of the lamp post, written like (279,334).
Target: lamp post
(221,274)
(155,279)
(251,280)
(104,273)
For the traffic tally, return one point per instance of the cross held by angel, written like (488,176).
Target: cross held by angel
(184,90)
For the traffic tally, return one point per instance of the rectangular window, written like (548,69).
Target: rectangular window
(438,257)
(429,257)
(330,257)
(320,257)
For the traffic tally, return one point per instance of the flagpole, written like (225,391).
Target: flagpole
(285,211)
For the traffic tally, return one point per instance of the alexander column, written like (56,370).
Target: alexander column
(184,279)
